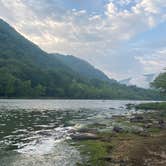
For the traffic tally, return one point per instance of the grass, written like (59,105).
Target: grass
(152,106)
(96,150)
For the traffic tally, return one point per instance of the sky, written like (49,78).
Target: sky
(123,38)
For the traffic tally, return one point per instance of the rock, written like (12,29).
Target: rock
(148,125)
(84,136)
(161,121)
(118,129)
(130,106)
(87,130)
(137,130)
(118,116)
(137,118)
(161,124)
(144,134)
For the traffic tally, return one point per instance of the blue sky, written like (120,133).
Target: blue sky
(124,38)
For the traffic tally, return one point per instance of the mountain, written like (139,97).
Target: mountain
(82,67)
(27,71)
(142,81)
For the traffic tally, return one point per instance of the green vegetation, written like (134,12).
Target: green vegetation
(152,106)
(160,82)
(96,150)
(27,71)
(143,140)
(82,67)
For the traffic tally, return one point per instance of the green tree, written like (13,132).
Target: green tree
(160,82)
(39,90)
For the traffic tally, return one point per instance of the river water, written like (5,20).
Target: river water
(37,132)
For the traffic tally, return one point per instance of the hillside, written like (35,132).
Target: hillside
(82,67)
(28,71)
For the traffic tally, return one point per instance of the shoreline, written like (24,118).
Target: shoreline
(136,140)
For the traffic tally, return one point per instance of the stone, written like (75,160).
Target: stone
(118,129)
(137,118)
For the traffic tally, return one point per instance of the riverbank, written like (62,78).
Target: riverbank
(152,106)
(128,140)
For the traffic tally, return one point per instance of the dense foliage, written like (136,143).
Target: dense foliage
(27,71)
(160,82)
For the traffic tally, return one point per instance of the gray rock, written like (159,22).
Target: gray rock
(137,130)
(87,130)
(118,129)
(137,118)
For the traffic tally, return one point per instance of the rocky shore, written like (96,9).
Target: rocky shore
(137,140)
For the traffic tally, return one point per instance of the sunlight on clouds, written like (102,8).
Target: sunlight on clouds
(87,35)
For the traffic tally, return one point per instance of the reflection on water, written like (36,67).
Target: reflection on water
(35,132)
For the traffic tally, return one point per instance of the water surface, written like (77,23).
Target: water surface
(37,132)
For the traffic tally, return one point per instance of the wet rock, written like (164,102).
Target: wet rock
(84,136)
(118,129)
(137,118)
(148,125)
(161,124)
(118,116)
(161,121)
(87,130)
(130,106)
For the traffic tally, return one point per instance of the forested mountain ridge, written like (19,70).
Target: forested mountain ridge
(82,67)
(28,71)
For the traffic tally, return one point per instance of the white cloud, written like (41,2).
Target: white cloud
(154,61)
(80,33)
(111,9)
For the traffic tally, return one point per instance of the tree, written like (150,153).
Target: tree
(160,82)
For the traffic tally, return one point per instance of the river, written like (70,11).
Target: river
(37,132)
